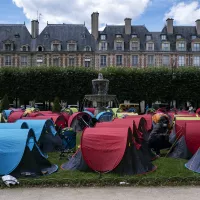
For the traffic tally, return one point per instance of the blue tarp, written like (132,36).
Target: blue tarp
(12,145)
(19,125)
(104,116)
(40,126)
(89,113)
(6,113)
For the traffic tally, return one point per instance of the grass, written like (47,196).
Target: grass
(170,172)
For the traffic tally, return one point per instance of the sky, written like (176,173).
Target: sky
(151,13)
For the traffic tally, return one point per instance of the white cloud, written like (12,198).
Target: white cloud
(78,11)
(184,13)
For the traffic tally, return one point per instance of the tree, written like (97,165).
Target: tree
(56,105)
(4,105)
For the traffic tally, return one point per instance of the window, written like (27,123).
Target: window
(87,62)
(148,37)
(103,46)
(103,61)
(119,46)
(196,61)
(134,36)
(72,47)
(150,46)
(196,47)
(165,60)
(165,47)
(135,60)
(56,62)
(87,48)
(163,37)
(17,35)
(40,48)
(8,47)
(8,61)
(71,62)
(134,46)
(24,48)
(39,60)
(193,37)
(118,36)
(181,61)
(56,47)
(181,46)
(103,37)
(150,61)
(119,60)
(24,61)
(178,37)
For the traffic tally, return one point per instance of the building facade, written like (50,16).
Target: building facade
(65,45)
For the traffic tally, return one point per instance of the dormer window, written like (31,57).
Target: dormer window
(134,46)
(178,37)
(148,37)
(24,48)
(134,36)
(119,46)
(56,45)
(103,37)
(72,45)
(103,46)
(181,46)
(193,37)
(118,36)
(87,48)
(17,35)
(163,37)
(8,47)
(166,46)
(196,47)
(46,35)
(40,48)
(150,46)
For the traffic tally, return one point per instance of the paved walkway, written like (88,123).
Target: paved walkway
(112,193)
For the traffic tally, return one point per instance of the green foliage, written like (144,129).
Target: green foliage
(56,105)
(4,105)
(71,84)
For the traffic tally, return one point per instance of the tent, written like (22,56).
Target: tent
(14,116)
(112,149)
(16,125)
(20,154)
(6,114)
(78,121)
(89,113)
(34,114)
(194,163)
(104,116)
(91,110)
(70,111)
(45,134)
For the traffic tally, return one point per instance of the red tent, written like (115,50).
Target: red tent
(192,136)
(34,114)
(14,116)
(103,149)
(92,110)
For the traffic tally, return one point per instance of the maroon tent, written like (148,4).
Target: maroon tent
(14,116)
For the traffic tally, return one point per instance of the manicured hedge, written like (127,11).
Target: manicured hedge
(71,84)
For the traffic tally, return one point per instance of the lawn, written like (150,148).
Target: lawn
(169,172)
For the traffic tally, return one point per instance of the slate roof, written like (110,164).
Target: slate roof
(8,32)
(64,33)
(111,32)
(185,31)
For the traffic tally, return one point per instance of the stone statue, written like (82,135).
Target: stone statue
(100,76)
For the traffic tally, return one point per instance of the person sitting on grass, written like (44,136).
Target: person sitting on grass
(159,136)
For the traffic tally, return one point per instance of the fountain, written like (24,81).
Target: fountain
(100,94)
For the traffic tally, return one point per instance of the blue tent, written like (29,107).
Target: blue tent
(89,113)
(20,125)
(19,154)
(45,134)
(104,116)
(40,127)
(6,113)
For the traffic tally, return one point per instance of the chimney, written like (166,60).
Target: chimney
(95,24)
(127,26)
(34,28)
(198,26)
(170,26)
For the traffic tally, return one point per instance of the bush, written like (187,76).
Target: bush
(56,105)
(4,105)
